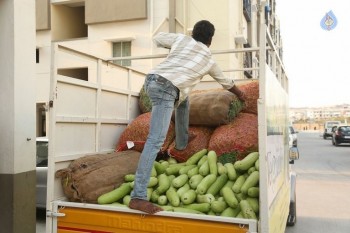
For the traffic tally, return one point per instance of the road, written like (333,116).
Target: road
(323,186)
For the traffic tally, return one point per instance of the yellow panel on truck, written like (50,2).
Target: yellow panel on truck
(101,221)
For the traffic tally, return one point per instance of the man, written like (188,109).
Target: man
(168,86)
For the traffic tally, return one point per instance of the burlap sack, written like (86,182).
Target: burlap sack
(239,136)
(201,141)
(144,102)
(251,91)
(90,176)
(213,107)
(137,131)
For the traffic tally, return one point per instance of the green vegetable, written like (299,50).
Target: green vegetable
(193,171)
(174,169)
(195,180)
(180,181)
(251,170)
(202,160)
(183,189)
(204,169)
(230,197)
(231,212)
(115,195)
(253,192)
(172,196)
(221,169)
(211,213)
(247,210)
(239,215)
(229,184)
(188,197)
(238,184)
(185,169)
(231,171)
(149,193)
(251,181)
(171,160)
(153,181)
(154,196)
(159,167)
(217,185)
(165,164)
(126,200)
(196,157)
(171,177)
(247,162)
(163,184)
(168,208)
(257,165)
(240,196)
(254,203)
(162,200)
(202,207)
(129,177)
(154,172)
(218,206)
(205,183)
(205,198)
(212,161)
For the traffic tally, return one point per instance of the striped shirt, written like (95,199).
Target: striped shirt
(188,61)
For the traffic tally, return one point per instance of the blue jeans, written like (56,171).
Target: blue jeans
(163,95)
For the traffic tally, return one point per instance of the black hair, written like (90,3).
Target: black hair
(203,31)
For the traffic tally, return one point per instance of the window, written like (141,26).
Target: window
(122,49)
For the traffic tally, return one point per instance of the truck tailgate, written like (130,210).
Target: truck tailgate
(121,219)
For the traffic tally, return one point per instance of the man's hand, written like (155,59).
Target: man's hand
(240,94)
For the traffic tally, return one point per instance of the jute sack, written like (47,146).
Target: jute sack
(213,107)
(138,130)
(240,135)
(251,91)
(202,136)
(88,177)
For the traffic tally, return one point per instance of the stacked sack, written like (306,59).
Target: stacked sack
(218,120)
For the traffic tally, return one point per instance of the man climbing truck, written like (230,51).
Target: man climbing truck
(84,121)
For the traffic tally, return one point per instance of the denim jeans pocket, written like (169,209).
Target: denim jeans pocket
(158,90)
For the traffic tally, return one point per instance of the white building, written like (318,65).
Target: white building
(320,113)
(118,28)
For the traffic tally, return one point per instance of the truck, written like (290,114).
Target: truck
(88,116)
(328,125)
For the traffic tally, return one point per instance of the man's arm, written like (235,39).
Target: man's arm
(228,84)
(240,94)
(165,40)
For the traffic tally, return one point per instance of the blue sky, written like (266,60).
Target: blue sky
(317,61)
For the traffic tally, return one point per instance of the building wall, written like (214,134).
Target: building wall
(92,29)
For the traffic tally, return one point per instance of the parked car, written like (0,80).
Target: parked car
(42,144)
(293,138)
(328,125)
(341,134)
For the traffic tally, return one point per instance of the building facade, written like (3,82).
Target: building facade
(122,28)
